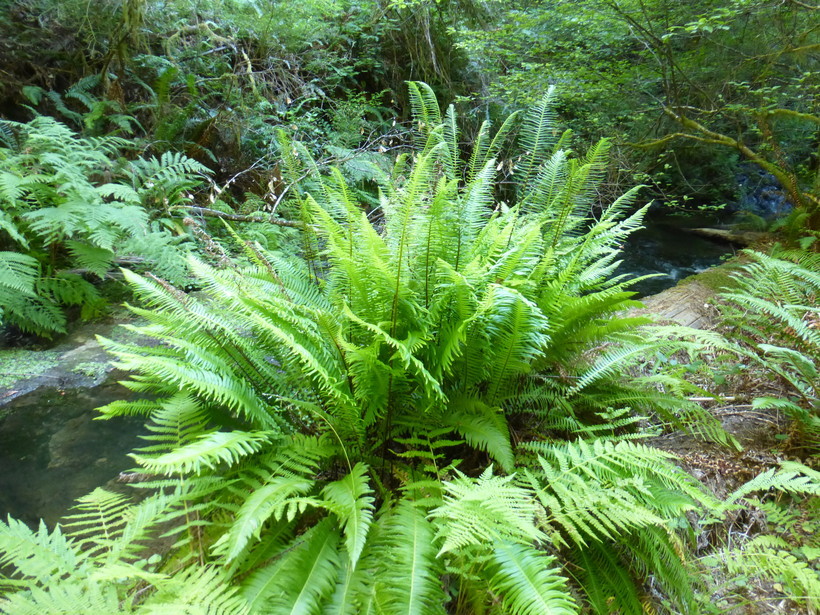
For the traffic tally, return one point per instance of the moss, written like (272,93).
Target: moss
(19,364)
(90,369)
(716,278)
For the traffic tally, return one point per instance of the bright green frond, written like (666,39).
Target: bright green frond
(528,581)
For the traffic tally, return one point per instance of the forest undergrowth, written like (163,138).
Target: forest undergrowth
(392,367)
(441,405)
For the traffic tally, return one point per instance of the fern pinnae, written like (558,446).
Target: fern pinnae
(546,186)
(483,427)
(304,578)
(536,136)
(791,477)
(781,313)
(605,580)
(424,106)
(479,151)
(350,499)
(502,134)
(450,135)
(40,554)
(528,583)
(475,208)
(270,500)
(207,451)
(413,553)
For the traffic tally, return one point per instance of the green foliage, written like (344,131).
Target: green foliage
(405,345)
(772,314)
(98,565)
(73,210)
(676,79)
(776,555)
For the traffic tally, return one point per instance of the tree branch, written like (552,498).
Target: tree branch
(215,213)
(811,7)
(786,179)
(795,114)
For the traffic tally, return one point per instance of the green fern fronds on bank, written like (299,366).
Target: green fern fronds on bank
(774,316)
(74,209)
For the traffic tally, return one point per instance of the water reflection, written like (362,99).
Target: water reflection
(52,451)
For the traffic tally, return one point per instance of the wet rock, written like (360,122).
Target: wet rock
(77,362)
(52,450)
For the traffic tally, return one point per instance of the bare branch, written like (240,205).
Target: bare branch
(215,213)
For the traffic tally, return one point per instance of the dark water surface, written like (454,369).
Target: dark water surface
(52,451)
(663,247)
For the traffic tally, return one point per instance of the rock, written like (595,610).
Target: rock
(76,363)
(684,304)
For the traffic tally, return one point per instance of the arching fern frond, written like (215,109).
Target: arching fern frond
(528,581)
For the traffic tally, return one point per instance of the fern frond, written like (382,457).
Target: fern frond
(207,451)
(791,477)
(411,556)
(528,581)
(537,137)
(484,510)
(272,500)
(602,490)
(18,274)
(302,579)
(424,106)
(760,558)
(606,582)
(41,555)
(483,427)
(200,590)
(350,500)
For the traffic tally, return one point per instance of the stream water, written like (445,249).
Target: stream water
(52,451)
(664,248)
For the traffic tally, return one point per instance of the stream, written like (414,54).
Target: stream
(664,249)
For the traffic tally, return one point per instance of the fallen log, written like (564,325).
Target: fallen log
(743,238)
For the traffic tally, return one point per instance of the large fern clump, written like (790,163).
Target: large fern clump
(420,412)
(70,210)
